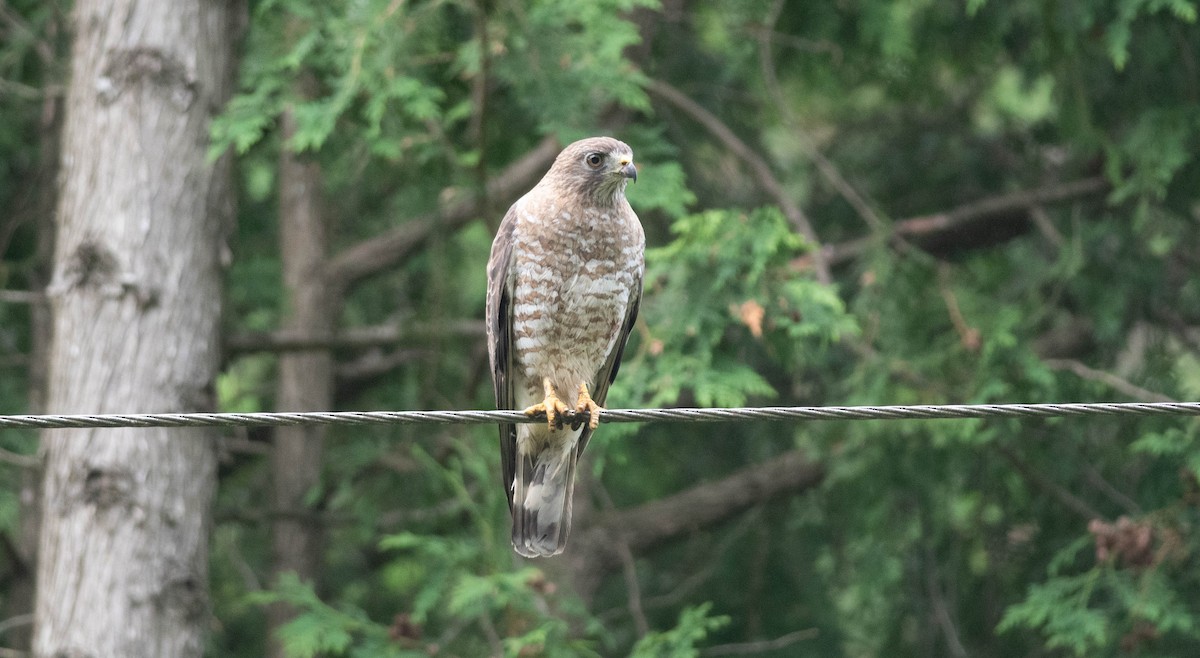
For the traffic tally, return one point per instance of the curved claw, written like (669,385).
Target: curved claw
(586,406)
(553,407)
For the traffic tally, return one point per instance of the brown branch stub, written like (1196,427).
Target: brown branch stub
(968,335)
(388,249)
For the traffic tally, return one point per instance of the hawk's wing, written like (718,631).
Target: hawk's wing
(608,372)
(500,339)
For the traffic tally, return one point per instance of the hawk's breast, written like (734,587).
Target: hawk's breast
(574,280)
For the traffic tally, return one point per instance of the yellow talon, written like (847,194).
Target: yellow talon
(554,408)
(586,405)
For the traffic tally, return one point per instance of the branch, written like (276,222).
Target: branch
(21,297)
(633,589)
(1049,486)
(941,613)
(1179,327)
(824,165)
(761,646)
(1114,382)
(388,249)
(940,230)
(648,525)
(351,338)
(19,460)
(967,335)
(374,364)
(760,168)
(1073,337)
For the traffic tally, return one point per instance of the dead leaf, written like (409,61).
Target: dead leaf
(751,313)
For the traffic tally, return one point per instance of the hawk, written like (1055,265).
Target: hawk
(564,283)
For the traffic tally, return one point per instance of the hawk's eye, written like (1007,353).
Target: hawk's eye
(594,160)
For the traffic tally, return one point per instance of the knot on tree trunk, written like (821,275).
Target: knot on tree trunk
(154,68)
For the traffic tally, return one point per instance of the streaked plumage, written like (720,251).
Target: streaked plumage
(564,282)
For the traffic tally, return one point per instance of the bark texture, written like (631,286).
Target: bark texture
(136,298)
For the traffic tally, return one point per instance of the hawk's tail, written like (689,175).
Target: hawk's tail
(541,501)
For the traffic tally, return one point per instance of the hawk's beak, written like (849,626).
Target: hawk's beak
(629,171)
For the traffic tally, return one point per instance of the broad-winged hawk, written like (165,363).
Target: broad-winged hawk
(564,282)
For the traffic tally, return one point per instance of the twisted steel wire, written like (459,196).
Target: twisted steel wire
(693,415)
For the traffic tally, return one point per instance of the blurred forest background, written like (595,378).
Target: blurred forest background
(853,202)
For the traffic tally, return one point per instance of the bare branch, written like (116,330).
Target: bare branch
(633,589)
(824,165)
(967,335)
(659,521)
(1114,382)
(1072,337)
(1114,494)
(941,612)
(388,249)
(1180,328)
(228,445)
(375,364)
(761,646)
(350,338)
(933,231)
(1046,227)
(760,168)
(696,575)
(400,518)
(21,297)
(489,631)
(1040,481)
(15,622)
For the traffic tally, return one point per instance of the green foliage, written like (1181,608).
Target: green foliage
(1087,613)
(1119,32)
(727,268)
(567,59)
(680,642)
(378,67)
(333,62)
(444,580)
(1060,609)
(921,107)
(922,533)
(1157,146)
(321,629)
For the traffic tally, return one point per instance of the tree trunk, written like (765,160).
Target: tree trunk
(136,299)
(19,603)
(305,381)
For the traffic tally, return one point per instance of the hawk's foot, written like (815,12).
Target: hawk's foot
(553,407)
(587,407)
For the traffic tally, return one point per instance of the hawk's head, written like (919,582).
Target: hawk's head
(597,168)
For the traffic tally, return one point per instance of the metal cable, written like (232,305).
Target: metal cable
(687,415)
